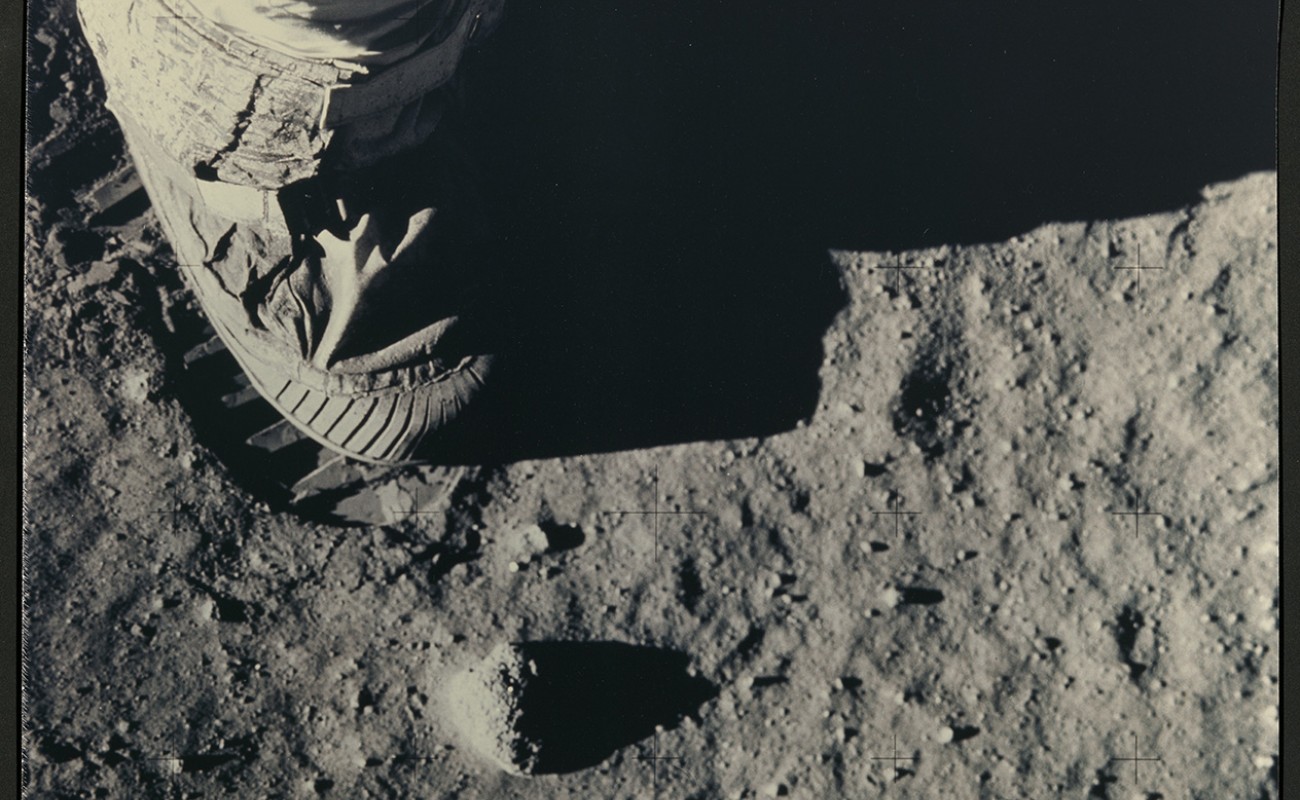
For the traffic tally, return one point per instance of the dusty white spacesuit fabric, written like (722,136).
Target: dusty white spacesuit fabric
(359,31)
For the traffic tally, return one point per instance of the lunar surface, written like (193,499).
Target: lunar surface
(1022,542)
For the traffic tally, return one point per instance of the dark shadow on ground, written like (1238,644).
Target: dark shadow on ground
(589,700)
(667,177)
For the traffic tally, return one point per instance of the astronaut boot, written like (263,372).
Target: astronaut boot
(300,158)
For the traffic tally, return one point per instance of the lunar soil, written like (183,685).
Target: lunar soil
(1025,546)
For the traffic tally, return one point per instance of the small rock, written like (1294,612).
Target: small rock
(527,543)
(136,386)
(1143,649)
(205,610)
(100,273)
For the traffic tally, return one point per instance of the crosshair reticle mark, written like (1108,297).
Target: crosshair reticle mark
(418,7)
(162,522)
(895,758)
(654,758)
(171,766)
(413,511)
(167,517)
(170,24)
(177,763)
(415,9)
(1136,513)
(1139,268)
(898,269)
(655,513)
(1135,758)
(895,504)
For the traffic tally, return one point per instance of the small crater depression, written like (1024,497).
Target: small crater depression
(1136,641)
(920,596)
(58,752)
(870,470)
(924,397)
(562,537)
(203,762)
(690,587)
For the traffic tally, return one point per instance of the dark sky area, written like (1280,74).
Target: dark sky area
(879,125)
(668,176)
